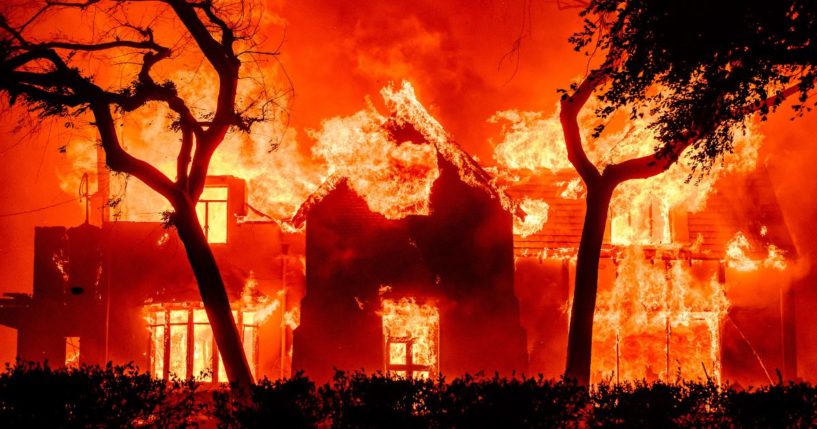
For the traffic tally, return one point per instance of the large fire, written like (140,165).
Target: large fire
(660,319)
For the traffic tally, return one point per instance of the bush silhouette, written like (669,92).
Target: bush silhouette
(34,396)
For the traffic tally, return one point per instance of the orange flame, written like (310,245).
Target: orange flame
(261,305)
(393,177)
(536,216)
(292,318)
(658,321)
(738,248)
(640,209)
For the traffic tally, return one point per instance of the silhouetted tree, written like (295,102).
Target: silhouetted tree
(45,74)
(700,69)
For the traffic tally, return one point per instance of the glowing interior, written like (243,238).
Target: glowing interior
(189,350)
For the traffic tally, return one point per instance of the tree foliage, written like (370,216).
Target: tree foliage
(700,68)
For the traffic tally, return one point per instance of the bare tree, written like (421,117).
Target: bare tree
(44,75)
(700,69)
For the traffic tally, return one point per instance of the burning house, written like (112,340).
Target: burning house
(409,258)
(124,292)
(375,285)
(701,294)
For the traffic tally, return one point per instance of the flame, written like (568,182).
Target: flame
(775,260)
(163,239)
(573,190)
(408,109)
(187,323)
(658,321)
(394,178)
(410,326)
(61,263)
(72,352)
(292,318)
(530,141)
(536,216)
(271,159)
(262,306)
(640,209)
(737,257)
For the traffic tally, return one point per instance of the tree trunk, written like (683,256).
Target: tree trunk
(213,295)
(580,334)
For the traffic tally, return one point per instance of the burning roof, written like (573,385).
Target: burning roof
(393,161)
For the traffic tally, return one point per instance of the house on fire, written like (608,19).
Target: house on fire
(124,292)
(453,290)
(413,296)
(417,295)
(709,293)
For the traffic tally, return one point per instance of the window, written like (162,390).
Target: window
(72,352)
(658,319)
(212,213)
(411,334)
(182,342)
(646,224)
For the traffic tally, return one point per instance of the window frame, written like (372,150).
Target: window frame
(165,309)
(204,219)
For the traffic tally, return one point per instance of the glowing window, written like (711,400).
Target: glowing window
(72,352)
(411,335)
(212,213)
(190,348)
(646,224)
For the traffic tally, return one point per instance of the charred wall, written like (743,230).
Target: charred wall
(460,257)
(69,301)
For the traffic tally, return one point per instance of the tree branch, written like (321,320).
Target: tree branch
(120,160)
(769,102)
(568,116)
(91,47)
(183,160)
(198,170)
(211,48)
(227,35)
(226,64)
(646,166)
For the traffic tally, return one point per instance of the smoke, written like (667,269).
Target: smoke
(790,155)
(454,53)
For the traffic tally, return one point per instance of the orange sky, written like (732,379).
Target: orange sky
(338,52)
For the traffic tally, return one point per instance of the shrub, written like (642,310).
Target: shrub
(34,395)
(792,405)
(290,403)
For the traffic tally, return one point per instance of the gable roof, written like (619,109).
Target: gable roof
(468,169)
